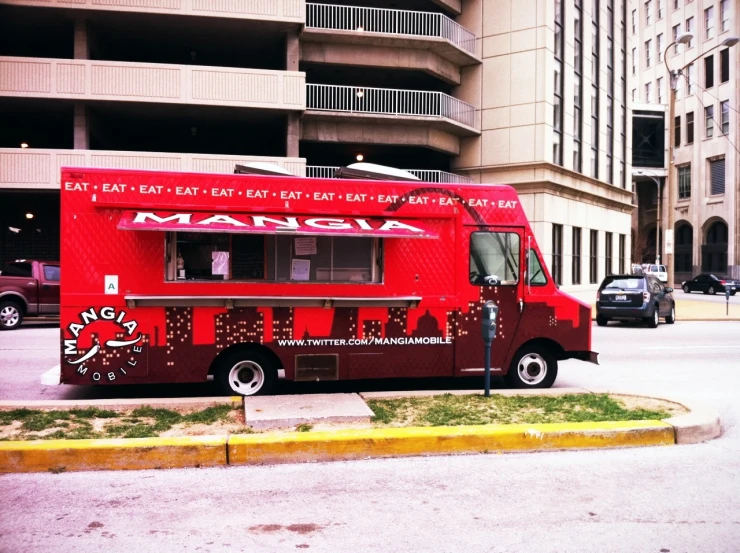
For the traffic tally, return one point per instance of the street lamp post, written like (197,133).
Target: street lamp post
(682,38)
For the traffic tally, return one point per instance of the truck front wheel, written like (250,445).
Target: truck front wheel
(11,315)
(532,367)
(246,373)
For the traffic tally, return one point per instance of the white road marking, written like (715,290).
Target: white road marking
(52,376)
(689,347)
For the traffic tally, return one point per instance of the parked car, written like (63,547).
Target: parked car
(659,271)
(634,297)
(636,269)
(710,284)
(28,288)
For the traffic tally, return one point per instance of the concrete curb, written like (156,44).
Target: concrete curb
(429,393)
(114,454)
(701,424)
(399,442)
(194,403)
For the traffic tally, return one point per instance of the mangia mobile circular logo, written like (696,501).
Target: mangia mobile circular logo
(125,339)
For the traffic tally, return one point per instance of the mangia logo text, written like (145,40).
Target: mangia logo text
(123,339)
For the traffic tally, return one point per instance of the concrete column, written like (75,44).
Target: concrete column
(293,135)
(292,52)
(81,42)
(81,128)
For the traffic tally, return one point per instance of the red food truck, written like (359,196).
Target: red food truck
(180,277)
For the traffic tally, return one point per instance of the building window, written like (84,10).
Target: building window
(677,135)
(676,4)
(709,22)
(661,5)
(595,68)
(684,182)
(494,258)
(724,14)
(576,260)
(634,95)
(717,176)
(622,248)
(709,120)
(659,46)
(648,48)
(690,127)
(659,88)
(675,36)
(724,65)
(578,86)
(261,257)
(557,253)
(623,83)
(608,253)
(557,150)
(725,107)
(634,60)
(690,79)
(610,92)
(648,96)
(593,257)
(634,21)
(690,29)
(709,72)
(648,13)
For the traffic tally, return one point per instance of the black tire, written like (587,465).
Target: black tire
(256,376)
(601,320)
(11,315)
(670,319)
(733,293)
(652,320)
(711,291)
(538,355)
(686,289)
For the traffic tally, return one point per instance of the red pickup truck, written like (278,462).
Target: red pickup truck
(28,288)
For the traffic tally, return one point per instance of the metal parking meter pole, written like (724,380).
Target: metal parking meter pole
(727,301)
(488,328)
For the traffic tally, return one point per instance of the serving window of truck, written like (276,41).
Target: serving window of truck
(247,280)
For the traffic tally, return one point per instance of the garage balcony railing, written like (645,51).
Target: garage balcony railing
(388,101)
(425,175)
(382,20)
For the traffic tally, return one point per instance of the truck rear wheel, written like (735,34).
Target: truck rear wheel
(11,315)
(246,373)
(532,367)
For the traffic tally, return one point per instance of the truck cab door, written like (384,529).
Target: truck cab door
(48,289)
(493,261)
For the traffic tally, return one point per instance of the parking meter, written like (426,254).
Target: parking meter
(489,316)
(727,301)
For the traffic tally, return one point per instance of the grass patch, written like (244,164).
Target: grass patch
(305,427)
(450,410)
(78,424)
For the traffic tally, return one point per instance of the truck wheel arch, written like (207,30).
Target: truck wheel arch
(245,347)
(16,298)
(554,347)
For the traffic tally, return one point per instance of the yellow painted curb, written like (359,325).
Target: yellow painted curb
(298,447)
(112,454)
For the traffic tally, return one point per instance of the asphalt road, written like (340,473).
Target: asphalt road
(671,499)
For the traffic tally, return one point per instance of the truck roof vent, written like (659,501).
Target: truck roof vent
(372,171)
(261,168)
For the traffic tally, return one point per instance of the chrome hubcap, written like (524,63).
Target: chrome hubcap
(532,369)
(9,316)
(246,378)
